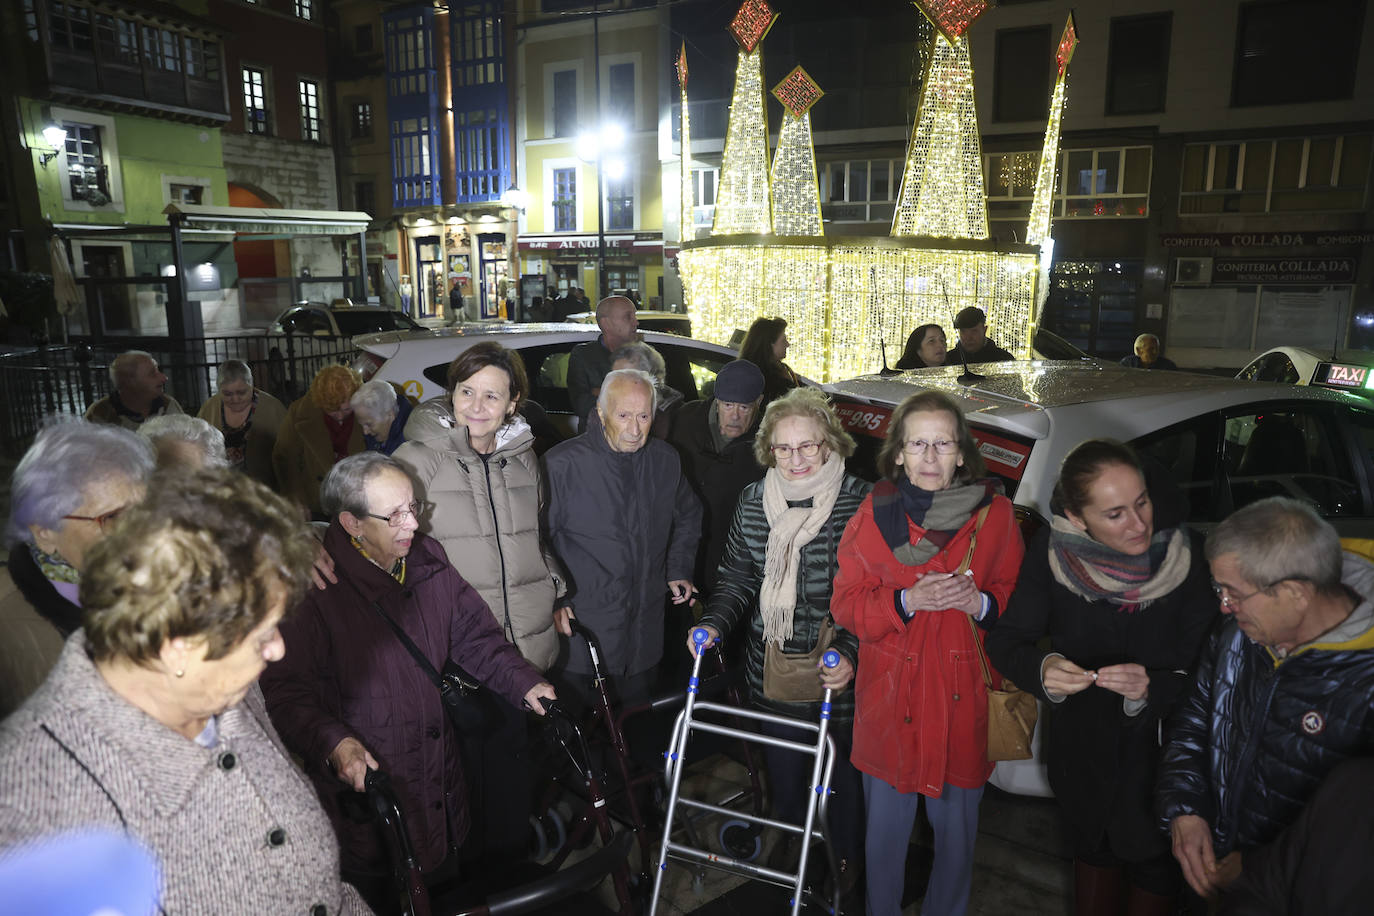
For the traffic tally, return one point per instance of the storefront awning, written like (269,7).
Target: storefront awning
(580,243)
(249,221)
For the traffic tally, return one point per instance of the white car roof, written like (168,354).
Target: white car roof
(1019,396)
(440,341)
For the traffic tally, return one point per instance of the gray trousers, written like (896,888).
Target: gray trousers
(891,815)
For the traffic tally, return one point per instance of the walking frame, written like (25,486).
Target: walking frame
(815,823)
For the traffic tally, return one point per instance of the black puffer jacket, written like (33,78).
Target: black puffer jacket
(717,476)
(624,524)
(1259,734)
(736,597)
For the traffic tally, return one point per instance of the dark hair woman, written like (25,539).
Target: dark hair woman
(925,347)
(926,565)
(1123,593)
(480,483)
(765,345)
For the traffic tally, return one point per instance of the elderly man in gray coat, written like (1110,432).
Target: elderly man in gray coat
(625,523)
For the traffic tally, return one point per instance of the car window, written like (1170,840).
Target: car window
(1293,451)
(1187,453)
(351,324)
(1272,367)
(692,371)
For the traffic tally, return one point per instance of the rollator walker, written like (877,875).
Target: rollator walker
(822,751)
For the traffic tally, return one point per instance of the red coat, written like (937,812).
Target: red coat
(921,714)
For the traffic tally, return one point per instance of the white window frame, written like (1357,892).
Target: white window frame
(109,154)
(207,192)
(301,80)
(550,166)
(556,67)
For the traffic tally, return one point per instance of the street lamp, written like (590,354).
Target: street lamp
(55,135)
(602,147)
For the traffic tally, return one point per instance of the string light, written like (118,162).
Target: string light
(952,17)
(844,298)
(687,218)
(942,183)
(1038,229)
(796,193)
(742,206)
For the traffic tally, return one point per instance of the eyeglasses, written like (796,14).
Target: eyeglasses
(398,518)
(941,446)
(1231,600)
(806,450)
(102,520)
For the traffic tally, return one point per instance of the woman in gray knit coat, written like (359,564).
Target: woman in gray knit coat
(152,721)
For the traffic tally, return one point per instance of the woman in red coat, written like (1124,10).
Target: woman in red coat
(925,567)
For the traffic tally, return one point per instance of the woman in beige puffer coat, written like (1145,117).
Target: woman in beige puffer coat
(477,478)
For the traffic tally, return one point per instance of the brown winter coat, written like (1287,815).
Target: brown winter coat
(262,435)
(303,456)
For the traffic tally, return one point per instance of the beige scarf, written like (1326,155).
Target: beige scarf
(789,530)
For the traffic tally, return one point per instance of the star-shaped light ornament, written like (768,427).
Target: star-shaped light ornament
(751,23)
(797,92)
(682,67)
(1067,43)
(952,17)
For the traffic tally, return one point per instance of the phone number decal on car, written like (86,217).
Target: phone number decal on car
(864,419)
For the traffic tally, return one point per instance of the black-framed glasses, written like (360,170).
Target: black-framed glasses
(398,518)
(102,520)
(805,449)
(918,447)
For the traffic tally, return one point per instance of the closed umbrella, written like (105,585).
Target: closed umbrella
(64,288)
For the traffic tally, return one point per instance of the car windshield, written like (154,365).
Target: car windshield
(351,324)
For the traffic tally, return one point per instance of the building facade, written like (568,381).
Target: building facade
(593,97)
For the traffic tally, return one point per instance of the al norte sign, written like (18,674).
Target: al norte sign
(1283,270)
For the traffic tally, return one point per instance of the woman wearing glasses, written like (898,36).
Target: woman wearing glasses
(478,478)
(66,493)
(1121,591)
(775,579)
(925,568)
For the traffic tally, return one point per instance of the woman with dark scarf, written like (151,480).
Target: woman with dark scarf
(1123,593)
(925,568)
(773,590)
(68,490)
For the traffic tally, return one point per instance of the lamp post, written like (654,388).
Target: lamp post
(598,147)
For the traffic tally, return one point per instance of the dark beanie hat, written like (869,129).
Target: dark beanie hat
(739,382)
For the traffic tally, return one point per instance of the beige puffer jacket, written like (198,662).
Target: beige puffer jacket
(485,513)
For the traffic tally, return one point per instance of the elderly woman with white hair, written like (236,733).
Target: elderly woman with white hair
(382,410)
(641,356)
(187,443)
(65,495)
(247,417)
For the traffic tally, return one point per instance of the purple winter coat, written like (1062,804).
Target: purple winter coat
(346,674)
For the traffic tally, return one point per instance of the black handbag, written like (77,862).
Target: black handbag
(469,706)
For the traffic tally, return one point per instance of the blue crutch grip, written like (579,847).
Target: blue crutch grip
(831,658)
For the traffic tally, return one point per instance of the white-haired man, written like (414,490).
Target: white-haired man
(625,523)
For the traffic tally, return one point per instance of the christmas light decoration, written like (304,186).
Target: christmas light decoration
(752,23)
(742,206)
(942,183)
(1017,170)
(952,17)
(796,193)
(848,299)
(687,218)
(1038,228)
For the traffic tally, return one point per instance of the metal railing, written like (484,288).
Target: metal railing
(43,382)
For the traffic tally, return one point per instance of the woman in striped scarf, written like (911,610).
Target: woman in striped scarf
(1123,594)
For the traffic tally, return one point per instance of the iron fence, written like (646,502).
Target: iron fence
(43,382)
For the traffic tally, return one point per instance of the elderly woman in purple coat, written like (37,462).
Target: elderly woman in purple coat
(349,694)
